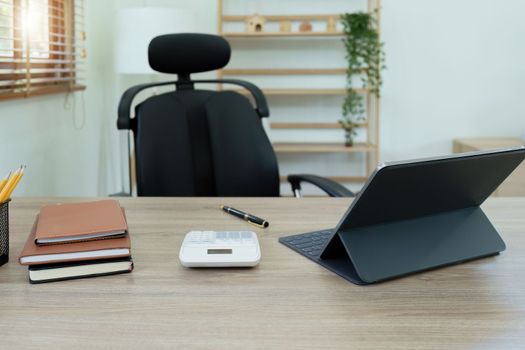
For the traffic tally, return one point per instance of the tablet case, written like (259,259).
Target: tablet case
(414,216)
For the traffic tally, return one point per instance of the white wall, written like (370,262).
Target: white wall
(40,133)
(454,70)
(65,156)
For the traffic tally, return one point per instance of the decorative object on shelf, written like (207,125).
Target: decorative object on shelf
(285,26)
(350,126)
(364,51)
(331,25)
(305,27)
(367,140)
(255,24)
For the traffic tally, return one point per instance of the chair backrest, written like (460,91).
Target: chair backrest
(200,142)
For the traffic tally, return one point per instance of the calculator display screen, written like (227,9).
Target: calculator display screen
(219,251)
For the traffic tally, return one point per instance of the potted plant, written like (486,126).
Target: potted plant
(365,57)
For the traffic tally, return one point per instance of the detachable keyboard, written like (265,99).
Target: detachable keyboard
(309,244)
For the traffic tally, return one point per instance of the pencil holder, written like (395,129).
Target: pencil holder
(4,232)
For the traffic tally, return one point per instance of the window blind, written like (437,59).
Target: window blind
(42,47)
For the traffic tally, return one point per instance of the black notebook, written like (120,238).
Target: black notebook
(79,269)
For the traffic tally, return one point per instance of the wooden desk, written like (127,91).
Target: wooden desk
(514,185)
(287,302)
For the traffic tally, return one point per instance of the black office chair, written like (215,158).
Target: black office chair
(202,142)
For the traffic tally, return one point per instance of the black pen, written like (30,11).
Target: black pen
(254,220)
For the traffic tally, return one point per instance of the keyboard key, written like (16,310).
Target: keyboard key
(304,245)
(302,241)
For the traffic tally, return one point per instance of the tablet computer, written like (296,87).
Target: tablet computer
(413,216)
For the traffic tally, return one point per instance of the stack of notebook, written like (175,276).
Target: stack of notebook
(76,241)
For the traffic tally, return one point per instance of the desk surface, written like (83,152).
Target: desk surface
(286,302)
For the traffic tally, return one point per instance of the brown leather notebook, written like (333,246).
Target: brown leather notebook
(74,222)
(33,254)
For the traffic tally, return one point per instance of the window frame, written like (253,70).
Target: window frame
(59,74)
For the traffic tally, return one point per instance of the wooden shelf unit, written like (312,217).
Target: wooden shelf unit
(279,125)
(295,125)
(284,71)
(321,147)
(276,18)
(370,147)
(300,92)
(343,179)
(281,35)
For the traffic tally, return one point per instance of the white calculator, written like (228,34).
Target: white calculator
(220,249)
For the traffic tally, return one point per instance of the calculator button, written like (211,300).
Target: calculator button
(221,235)
(234,235)
(247,236)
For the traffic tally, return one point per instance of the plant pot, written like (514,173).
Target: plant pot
(349,139)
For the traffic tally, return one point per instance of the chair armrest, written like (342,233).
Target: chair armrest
(124,120)
(261,107)
(332,188)
(120,194)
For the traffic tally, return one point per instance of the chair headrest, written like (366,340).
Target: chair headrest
(188,53)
